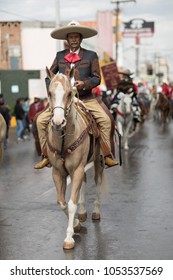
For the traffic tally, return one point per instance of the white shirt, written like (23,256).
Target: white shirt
(72,65)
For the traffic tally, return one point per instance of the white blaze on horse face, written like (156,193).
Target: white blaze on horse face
(127,102)
(58,105)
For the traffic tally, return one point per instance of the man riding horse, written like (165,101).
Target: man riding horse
(127,86)
(86,77)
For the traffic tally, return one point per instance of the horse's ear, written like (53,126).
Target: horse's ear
(50,74)
(131,94)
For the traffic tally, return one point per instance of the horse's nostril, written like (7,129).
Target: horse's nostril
(63,123)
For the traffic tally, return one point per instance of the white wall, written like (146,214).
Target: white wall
(38,48)
(38,51)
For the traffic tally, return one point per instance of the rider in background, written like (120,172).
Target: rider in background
(166,89)
(127,86)
(171,90)
(35,107)
(143,93)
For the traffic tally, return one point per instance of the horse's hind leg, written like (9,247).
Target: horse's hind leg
(126,134)
(99,183)
(82,213)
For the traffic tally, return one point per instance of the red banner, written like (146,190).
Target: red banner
(110,75)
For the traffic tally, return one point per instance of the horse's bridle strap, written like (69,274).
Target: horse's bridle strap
(66,109)
(58,107)
(119,113)
(72,147)
(79,140)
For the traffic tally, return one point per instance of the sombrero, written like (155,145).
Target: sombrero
(164,81)
(73,27)
(126,72)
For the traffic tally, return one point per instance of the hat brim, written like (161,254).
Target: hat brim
(124,73)
(61,33)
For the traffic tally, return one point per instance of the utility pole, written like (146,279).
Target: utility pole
(57,21)
(117,11)
(137,54)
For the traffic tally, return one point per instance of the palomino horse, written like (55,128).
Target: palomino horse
(3,128)
(163,107)
(124,117)
(68,146)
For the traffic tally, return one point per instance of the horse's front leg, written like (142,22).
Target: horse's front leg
(76,182)
(126,136)
(60,183)
(120,127)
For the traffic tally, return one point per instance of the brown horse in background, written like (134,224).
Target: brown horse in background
(163,107)
(144,105)
(3,128)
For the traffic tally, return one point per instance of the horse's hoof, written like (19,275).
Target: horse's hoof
(95,216)
(77,228)
(82,217)
(68,245)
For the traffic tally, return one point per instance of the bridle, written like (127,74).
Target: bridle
(124,104)
(66,109)
(62,152)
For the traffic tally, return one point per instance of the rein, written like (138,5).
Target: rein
(63,152)
(119,113)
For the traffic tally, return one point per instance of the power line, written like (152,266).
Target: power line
(14,14)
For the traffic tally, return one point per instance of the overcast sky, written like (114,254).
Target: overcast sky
(159,11)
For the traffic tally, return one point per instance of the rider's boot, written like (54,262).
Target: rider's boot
(109,161)
(41,164)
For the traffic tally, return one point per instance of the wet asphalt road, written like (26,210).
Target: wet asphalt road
(136,213)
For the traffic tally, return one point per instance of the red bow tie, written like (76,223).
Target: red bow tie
(72,57)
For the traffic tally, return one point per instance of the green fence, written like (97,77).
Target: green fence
(14,84)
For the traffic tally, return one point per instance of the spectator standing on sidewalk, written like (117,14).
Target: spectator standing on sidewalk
(26,106)
(20,116)
(35,107)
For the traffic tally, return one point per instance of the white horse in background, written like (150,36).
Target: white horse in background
(154,113)
(3,128)
(124,117)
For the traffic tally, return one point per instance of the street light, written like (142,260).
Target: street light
(117,10)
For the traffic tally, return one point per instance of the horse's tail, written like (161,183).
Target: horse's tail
(100,178)
(104,186)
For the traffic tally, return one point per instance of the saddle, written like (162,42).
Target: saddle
(92,128)
(88,118)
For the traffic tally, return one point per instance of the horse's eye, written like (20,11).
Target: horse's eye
(49,93)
